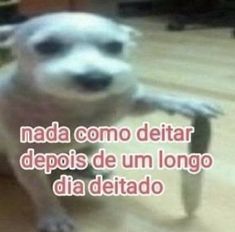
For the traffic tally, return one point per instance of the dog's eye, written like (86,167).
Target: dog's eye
(114,47)
(49,47)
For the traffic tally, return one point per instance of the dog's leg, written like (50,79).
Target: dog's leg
(146,102)
(51,216)
(90,172)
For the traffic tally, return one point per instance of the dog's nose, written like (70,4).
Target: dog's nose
(93,80)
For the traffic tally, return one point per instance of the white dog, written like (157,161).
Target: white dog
(71,68)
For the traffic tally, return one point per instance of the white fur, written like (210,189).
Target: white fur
(38,89)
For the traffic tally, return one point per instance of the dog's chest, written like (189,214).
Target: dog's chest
(34,111)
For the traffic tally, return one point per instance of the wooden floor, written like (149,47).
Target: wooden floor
(195,62)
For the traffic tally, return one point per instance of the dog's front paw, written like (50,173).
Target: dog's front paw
(195,108)
(55,223)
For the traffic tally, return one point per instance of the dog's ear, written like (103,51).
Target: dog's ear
(131,35)
(132,32)
(6,36)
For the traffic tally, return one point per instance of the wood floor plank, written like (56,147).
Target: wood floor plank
(195,60)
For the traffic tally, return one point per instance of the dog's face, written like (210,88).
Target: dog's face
(73,55)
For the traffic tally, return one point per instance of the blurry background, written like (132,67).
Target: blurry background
(181,12)
(187,48)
